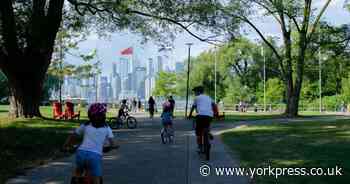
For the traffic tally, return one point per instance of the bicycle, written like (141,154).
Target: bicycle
(205,140)
(118,122)
(84,176)
(167,135)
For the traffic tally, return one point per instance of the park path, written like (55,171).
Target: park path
(143,159)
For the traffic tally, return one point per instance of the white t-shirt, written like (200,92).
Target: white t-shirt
(203,105)
(94,138)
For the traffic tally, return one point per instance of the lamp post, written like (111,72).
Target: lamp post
(215,77)
(320,77)
(264,73)
(188,75)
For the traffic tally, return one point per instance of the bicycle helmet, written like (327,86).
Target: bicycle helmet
(97,111)
(166,105)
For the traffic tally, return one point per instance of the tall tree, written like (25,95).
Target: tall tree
(290,15)
(28,31)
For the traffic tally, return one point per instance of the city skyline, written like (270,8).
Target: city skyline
(130,77)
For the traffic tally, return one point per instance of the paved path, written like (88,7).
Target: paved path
(143,159)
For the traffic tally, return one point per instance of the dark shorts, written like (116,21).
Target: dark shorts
(202,122)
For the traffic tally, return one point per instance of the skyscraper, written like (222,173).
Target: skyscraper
(103,90)
(159,63)
(150,79)
(140,73)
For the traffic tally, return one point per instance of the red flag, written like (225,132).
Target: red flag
(127,51)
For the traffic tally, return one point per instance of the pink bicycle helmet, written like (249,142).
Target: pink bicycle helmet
(97,111)
(166,105)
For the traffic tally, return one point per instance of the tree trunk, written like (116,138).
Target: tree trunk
(26,84)
(24,99)
(292,102)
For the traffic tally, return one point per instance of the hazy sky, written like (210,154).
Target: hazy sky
(108,50)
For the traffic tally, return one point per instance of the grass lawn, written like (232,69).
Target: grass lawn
(251,116)
(28,142)
(302,144)
(25,143)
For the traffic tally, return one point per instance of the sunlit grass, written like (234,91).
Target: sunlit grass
(29,142)
(302,144)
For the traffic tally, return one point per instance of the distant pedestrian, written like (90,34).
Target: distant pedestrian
(134,105)
(172,105)
(151,106)
(139,105)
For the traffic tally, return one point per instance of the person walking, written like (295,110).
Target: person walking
(172,105)
(139,105)
(151,106)
(134,105)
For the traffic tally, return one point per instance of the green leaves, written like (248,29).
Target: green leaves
(165,84)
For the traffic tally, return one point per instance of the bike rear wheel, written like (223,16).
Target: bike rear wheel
(206,145)
(131,122)
(164,137)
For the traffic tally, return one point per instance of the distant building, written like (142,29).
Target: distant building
(140,77)
(150,79)
(116,87)
(159,63)
(103,90)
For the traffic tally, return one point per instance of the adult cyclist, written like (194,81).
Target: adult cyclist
(204,107)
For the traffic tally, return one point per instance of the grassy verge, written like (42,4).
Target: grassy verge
(306,144)
(251,116)
(26,143)
(29,142)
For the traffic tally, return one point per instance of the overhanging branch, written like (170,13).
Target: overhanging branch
(317,20)
(184,27)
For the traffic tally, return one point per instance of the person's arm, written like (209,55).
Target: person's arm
(110,136)
(73,138)
(194,105)
(191,111)
(70,141)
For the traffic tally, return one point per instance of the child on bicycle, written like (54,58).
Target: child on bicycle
(167,116)
(123,108)
(95,133)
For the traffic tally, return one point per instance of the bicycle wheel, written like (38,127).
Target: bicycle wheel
(206,145)
(118,123)
(113,123)
(164,137)
(131,122)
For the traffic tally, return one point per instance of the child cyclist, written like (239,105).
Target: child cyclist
(123,108)
(167,117)
(95,133)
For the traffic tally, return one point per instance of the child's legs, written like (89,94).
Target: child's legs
(89,162)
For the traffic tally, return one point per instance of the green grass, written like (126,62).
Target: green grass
(26,143)
(306,144)
(251,116)
(29,142)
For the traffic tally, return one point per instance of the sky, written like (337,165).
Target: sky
(109,49)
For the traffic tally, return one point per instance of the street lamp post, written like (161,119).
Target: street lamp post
(215,77)
(264,73)
(320,77)
(188,75)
